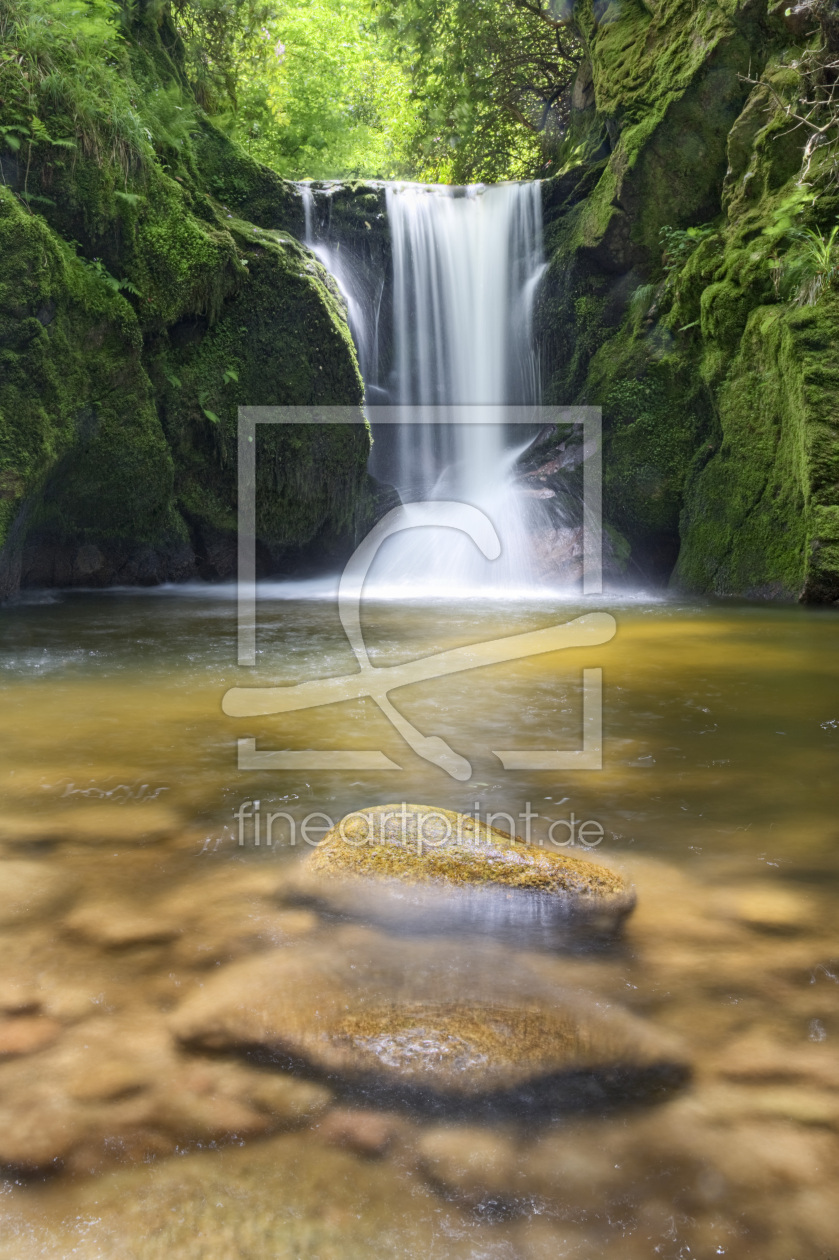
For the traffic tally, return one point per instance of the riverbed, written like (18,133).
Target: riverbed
(133,875)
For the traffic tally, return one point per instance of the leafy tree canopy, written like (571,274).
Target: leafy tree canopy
(311,87)
(441,90)
(492,80)
(448,90)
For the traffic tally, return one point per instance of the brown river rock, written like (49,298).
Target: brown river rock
(415,1023)
(420,867)
(116,1089)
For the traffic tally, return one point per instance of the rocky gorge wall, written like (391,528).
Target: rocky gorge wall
(142,301)
(675,223)
(140,304)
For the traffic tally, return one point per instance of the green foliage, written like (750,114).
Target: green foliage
(338,102)
(312,88)
(786,215)
(203,399)
(640,303)
(98,268)
(809,263)
(448,90)
(65,61)
(169,115)
(812,268)
(491,80)
(679,243)
(225,44)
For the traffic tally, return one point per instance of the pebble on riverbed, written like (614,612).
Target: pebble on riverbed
(114,1089)
(30,889)
(422,867)
(363,1131)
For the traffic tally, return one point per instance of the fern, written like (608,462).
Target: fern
(61,84)
(169,118)
(677,245)
(116,286)
(812,268)
(640,302)
(36,197)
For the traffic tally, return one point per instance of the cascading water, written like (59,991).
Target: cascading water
(465,266)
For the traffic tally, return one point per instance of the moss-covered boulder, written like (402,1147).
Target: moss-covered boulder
(422,868)
(138,310)
(401,1023)
(80,431)
(672,226)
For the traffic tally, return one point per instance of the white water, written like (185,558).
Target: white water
(466,265)
(363,304)
(463,265)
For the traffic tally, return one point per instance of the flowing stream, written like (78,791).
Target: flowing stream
(133,879)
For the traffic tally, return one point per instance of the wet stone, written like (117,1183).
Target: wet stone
(360,1130)
(114,926)
(115,1089)
(765,908)
(25,1034)
(472,1163)
(387,1020)
(423,868)
(30,889)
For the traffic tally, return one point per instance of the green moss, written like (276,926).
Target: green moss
(421,843)
(243,185)
(74,395)
(126,354)
(759,514)
(719,397)
(281,340)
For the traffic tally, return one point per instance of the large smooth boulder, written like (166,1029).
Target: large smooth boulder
(420,867)
(420,1024)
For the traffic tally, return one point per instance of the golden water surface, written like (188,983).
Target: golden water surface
(118,821)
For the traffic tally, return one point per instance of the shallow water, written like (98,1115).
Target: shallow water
(717,796)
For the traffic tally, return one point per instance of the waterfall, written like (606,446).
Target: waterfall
(465,266)
(464,262)
(347,274)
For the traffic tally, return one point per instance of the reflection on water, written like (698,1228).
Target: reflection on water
(125,887)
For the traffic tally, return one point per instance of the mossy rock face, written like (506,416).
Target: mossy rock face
(79,434)
(749,520)
(388,1019)
(138,311)
(720,435)
(418,867)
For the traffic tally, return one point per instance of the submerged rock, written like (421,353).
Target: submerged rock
(112,1090)
(30,889)
(421,867)
(363,1131)
(25,1034)
(115,926)
(389,1020)
(472,1163)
